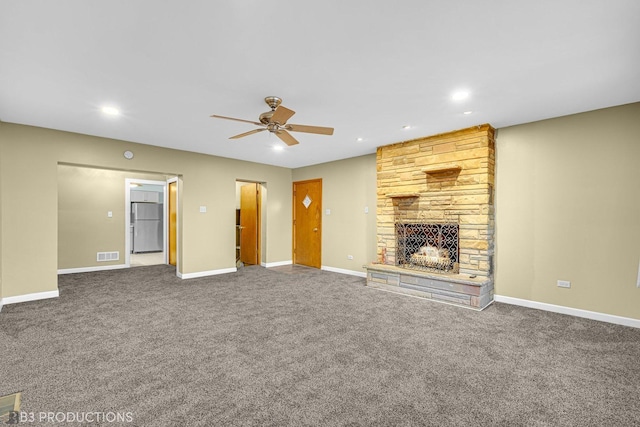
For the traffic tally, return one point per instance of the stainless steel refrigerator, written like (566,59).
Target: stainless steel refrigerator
(146,220)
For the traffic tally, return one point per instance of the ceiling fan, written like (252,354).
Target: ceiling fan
(275,121)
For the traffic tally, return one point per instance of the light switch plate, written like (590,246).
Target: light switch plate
(328,211)
(203,209)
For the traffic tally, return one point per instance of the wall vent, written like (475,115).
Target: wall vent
(108,256)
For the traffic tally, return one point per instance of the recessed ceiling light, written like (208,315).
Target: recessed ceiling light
(359,139)
(460,95)
(112,111)
(467,112)
(405,127)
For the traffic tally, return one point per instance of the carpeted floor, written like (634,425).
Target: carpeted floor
(268,347)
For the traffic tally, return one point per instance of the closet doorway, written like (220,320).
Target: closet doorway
(248,218)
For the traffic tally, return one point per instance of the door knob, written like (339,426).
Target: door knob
(315,229)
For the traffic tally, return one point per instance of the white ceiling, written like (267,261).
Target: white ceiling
(366,68)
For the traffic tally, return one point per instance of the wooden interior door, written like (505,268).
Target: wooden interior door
(249,223)
(173,223)
(307,223)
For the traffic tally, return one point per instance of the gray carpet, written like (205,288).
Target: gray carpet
(263,347)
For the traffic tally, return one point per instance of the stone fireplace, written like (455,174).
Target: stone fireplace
(435,217)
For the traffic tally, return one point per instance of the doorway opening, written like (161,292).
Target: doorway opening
(146,222)
(249,196)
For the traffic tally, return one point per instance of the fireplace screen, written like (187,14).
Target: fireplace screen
(431,247)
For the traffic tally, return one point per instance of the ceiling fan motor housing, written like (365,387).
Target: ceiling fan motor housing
(265,118)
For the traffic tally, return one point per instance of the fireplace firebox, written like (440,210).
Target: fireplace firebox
(427,246)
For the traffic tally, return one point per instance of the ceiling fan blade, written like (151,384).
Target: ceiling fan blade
(237,120)
(281,115)
(310,129)
(251,132)
(286,137)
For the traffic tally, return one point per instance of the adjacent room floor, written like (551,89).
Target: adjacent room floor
(150,258)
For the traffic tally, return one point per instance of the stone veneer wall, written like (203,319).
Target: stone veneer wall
(441,178)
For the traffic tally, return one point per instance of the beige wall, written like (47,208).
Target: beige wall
(568,208)
(85,195)
(348,186)
(29,159)
(29,213)
(1,226)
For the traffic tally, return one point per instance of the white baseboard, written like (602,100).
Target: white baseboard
(30,297)
(343,271)
(92,269)
(593,315)
(0,305)
(207,273)
(276,264)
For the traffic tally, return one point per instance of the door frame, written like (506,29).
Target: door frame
(175,180)
(127,217)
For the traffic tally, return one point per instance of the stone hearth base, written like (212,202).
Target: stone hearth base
(458,289)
